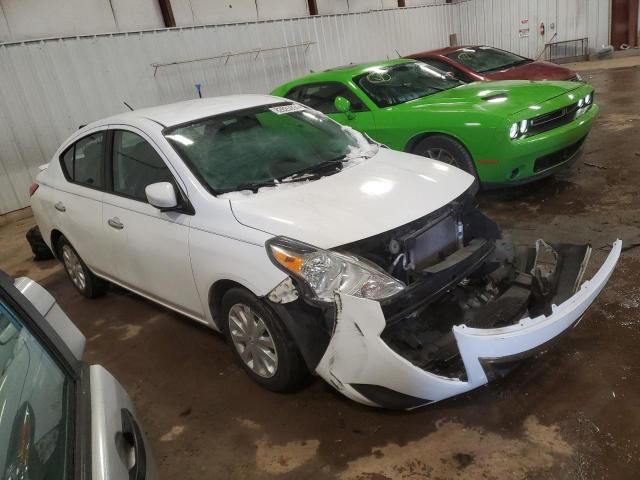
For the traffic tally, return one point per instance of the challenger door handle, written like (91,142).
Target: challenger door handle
(60,207)
(115,223)
(133,437)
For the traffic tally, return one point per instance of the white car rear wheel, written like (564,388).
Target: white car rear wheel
(85,282)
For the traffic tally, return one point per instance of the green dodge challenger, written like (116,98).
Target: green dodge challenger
(506,132)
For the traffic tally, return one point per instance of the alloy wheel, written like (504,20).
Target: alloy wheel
(252,340)
(442,155)
(74,267)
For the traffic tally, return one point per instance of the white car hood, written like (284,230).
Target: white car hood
(364,199)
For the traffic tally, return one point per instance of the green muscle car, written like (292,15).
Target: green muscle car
(506,132)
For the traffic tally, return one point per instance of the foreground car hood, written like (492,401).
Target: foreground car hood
(532,71)
(518,94)
(371,197)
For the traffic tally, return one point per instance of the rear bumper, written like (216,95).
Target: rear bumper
(359,364)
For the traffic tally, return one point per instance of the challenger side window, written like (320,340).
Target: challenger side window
(320,96)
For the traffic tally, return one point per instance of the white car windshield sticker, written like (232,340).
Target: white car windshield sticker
(290,108)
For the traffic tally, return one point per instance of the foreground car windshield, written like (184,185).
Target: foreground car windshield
(259,146)
(388,86)
(486,59)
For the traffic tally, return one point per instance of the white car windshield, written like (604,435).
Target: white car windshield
(263,146)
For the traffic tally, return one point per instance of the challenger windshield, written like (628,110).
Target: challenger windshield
(395,84)
(263,146)
(487,59)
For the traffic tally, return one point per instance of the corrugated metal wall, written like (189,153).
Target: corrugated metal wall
(48,88)
(498,22)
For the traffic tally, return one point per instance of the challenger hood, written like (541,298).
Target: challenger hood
(366,198)
(504,97)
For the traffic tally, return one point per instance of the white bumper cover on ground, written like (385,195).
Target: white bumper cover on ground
(357,355)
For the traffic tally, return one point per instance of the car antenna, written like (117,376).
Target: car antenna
(128,106)
(397,53)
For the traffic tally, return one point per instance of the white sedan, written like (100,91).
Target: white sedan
(310,247)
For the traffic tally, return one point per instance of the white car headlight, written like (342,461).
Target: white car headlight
(326,272)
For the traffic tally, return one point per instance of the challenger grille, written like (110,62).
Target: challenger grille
(558,157)
(555,119)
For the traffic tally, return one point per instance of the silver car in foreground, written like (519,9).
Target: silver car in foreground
(59,417)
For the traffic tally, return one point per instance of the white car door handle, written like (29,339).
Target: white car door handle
(115,223)
(60,207)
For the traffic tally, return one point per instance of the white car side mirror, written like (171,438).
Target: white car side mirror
(161,195)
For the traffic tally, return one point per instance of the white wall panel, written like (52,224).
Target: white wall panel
(37,18)
(183,13)
(272,9)
(598,23)
(326,7)
(497,22)
(136,15)
(419,3)
(223,11)
(365,5)
(50,87)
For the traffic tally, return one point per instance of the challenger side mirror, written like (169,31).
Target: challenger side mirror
(161,195)
(343,106)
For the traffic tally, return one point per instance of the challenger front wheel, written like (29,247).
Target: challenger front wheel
(447,150)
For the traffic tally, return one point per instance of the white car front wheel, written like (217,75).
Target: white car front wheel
(261,343)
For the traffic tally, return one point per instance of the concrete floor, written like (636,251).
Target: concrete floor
(571,414)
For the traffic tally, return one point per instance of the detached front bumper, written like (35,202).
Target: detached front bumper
(359,364)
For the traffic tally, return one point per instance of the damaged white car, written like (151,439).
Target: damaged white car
(310,247)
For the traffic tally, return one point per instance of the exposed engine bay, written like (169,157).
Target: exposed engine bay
(460,270)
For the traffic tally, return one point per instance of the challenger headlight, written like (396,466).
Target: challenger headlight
(581,103)
(588,99)
(513,131)
(326,272)
(518,129)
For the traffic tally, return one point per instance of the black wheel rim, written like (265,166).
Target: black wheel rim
(443,156)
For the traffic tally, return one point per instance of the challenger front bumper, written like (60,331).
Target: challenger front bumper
(359,364)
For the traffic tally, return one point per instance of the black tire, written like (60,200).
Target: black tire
(40,249)
(91,286)
(449,150)
(290,371)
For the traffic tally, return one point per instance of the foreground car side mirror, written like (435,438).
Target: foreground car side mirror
(161,195)
(343,106)
(47,306)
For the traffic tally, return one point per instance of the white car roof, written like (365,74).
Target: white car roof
(183,112)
